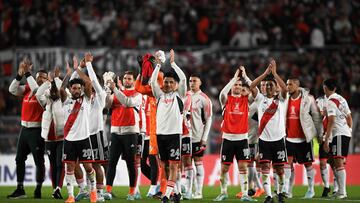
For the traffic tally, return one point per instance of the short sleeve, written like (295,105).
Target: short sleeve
(331,108)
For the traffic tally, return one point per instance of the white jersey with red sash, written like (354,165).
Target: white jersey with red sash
(272,115)
(235,123)
(76,118)
(337,106)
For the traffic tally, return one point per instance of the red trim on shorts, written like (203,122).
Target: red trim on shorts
(310,162)
(201,150)
(291,156)
(265,160)
(186,155)
(281,163)
(227,163)
(244,160)
(174,161)
(87,161)
(69,161)
(322,158)
(198,163)
(338,157)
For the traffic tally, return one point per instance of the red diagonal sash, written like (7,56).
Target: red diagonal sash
(325,119)
(72,117)
(268,114)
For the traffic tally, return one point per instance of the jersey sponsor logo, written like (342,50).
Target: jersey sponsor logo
(168,101)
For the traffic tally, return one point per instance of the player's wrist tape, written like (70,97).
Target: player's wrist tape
(27,74)
(18,77)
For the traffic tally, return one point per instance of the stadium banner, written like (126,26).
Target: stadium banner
(105,58)
(211,163)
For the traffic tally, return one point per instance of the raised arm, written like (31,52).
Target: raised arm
(143,89)
(157,92)
(94,81)
(40,93)
(15,88)
(88,86)
(256,82)
(225,91)
(182,83)
(63,94)
(278,79)
(92,74)
(132,101)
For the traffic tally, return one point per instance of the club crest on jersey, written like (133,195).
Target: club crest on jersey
(292,110)
(236,106)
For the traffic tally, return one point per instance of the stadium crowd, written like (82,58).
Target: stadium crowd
(131,24)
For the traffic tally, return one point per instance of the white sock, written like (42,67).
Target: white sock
(281,180)
(251,176)
(336,181)
(310,173)
(100,190)
(199,176)
(81,184)
(177,188)
(91,176)
(266,183)
(244,182)
(195,184)
(325,176)
(70,180)
(292,180)
(257,178)
(137,190)
(189,175)
(341,175)
(223,182)
(276,182)
(169,189)
(287,172)
(152,189)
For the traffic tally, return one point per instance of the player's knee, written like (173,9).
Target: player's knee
(242,166)
(225,168)
(265,166)
(88,167)
(198,159)
(308,165)
(279,169)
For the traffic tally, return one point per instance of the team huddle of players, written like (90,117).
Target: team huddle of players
(160,129)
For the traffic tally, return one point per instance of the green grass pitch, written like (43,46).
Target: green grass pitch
(209,194)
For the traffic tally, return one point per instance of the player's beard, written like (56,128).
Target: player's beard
(75,95)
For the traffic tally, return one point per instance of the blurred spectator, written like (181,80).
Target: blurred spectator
(278,22)
(242,38)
